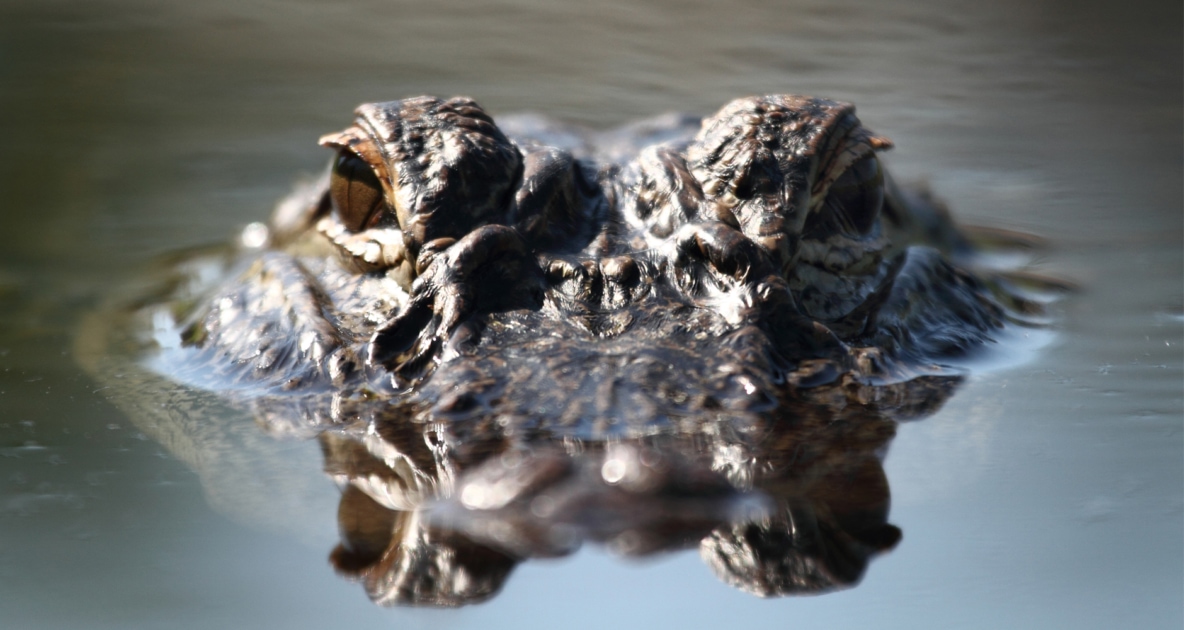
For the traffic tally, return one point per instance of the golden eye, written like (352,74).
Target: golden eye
(355,192)
(857,196)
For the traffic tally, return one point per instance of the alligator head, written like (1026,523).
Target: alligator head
(713,273)
(737,304)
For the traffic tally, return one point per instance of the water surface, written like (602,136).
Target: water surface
(1045,494)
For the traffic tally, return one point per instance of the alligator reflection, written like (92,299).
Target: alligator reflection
(786,503)
(509,348)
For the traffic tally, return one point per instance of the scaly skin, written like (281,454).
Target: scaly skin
(544,335)
(709,272)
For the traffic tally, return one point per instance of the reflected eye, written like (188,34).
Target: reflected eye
(355,192)
(855,198)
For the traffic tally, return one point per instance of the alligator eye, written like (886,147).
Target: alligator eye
(857,195)
(355,192)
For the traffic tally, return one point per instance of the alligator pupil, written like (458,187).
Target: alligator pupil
(857,196)
(355,192)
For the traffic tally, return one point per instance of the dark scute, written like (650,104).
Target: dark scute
(355,192)
(857,196)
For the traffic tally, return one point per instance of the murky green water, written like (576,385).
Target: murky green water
(1045,495)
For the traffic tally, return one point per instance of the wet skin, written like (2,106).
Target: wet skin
(512,339)
(763,252)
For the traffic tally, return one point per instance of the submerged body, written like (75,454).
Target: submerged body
(680,331)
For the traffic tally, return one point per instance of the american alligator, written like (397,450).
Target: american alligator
(635,336)
(443,262)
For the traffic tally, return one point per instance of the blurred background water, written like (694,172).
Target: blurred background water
(1044,495)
